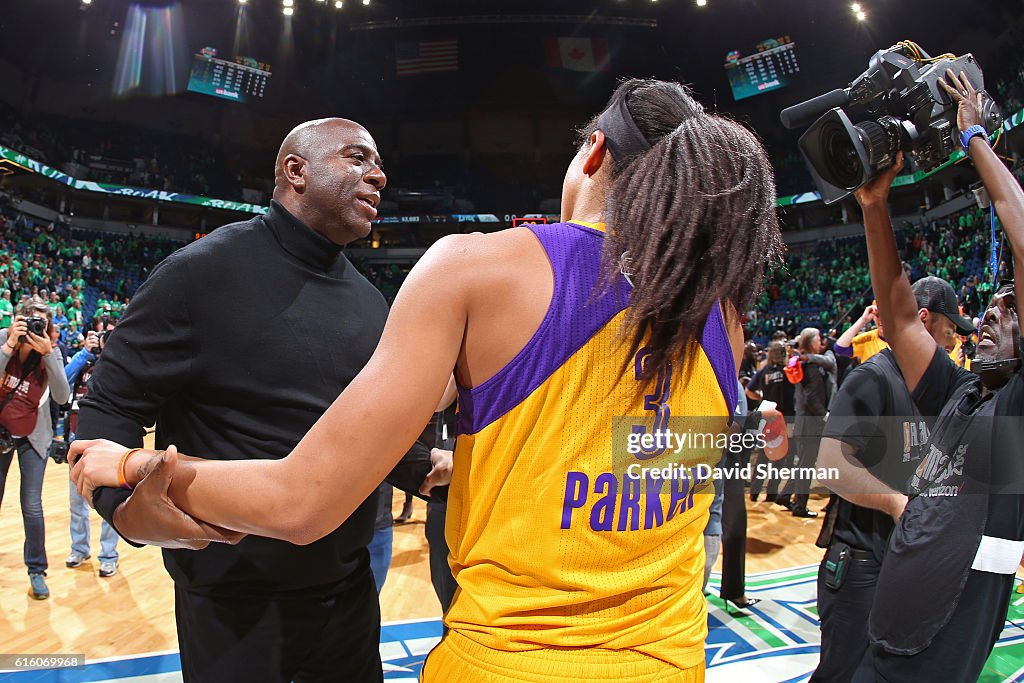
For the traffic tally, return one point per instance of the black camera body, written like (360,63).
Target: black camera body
(36,326)
(58,450)
(897,104)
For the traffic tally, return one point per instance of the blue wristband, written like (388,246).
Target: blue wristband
(965,137)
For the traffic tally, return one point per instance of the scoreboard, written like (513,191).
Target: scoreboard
(240,80)
(773,66)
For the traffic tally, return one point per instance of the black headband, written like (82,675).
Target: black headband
(621,134)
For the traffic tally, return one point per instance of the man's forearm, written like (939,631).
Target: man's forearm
(896,304)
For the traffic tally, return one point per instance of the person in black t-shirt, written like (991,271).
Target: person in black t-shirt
(770,384)
(875,422)
(945,582)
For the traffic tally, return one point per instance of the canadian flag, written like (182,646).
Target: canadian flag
(577,54)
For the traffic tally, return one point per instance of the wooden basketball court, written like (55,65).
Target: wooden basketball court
(123,626)
(133,611)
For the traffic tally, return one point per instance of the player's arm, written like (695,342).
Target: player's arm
(354,445)
(1003,189)
(897,307)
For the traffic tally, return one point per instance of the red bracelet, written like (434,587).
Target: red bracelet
(122,480)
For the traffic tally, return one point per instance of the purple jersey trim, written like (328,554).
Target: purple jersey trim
(715,342)
(575,315)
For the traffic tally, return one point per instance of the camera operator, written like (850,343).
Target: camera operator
(946,579)
(78,372)
(33,373)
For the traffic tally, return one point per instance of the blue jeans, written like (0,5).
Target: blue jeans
(32,469)
(380,555)
(80,529)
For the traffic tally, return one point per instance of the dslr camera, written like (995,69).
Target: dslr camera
(897,104)
(58,450)
(36,326)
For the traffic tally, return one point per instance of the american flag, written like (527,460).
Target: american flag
(428,56)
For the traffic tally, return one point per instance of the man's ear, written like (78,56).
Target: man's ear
(596,156)
(295,172)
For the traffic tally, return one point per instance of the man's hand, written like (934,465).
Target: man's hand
(972,102)
(441,471)
(149,516)
(876,191)
(92,342)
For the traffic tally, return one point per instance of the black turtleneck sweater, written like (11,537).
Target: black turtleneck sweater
(235,346)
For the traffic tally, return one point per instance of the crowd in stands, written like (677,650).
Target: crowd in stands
(816,286)
(81,274)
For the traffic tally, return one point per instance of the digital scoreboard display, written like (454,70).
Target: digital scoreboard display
(241,80)
(773,66)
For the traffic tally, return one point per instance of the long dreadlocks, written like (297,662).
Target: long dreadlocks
(694,214)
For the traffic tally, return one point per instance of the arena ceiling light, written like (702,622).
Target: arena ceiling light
(86,2)
(702,3)
(337,4)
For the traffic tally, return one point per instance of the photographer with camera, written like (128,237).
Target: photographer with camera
(33,373)
(78,372)
(945,582)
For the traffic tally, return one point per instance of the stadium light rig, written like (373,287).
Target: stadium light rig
(337,4)
(702,3)
(858,11)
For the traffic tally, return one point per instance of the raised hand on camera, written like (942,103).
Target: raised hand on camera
(877,189)
(15,332)
(44,345)
(972,103)
(92,341)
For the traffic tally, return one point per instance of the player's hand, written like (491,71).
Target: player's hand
(876,191)
(94,463)
(441,471)
(150,516)
(972,102)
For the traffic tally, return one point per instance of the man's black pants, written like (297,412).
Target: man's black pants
(844,620)
(326,633)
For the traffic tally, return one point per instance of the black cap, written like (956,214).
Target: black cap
(936,295)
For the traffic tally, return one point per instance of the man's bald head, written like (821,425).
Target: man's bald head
(306,139)
(329,176)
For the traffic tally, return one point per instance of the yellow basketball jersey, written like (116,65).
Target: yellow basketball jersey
(558,538)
